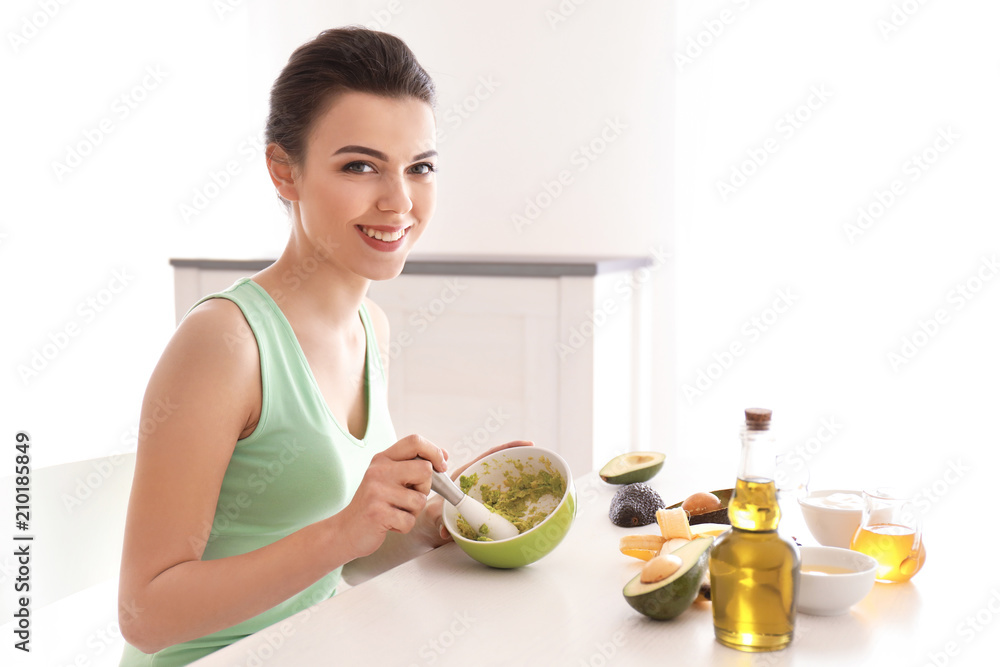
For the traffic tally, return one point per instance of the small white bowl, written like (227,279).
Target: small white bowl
(823,594)
(831,526)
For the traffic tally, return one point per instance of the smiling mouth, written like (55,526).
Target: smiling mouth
(388,237)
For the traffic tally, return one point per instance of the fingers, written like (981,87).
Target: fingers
(514,443)
(411,501)
(416,474)
(391,507)
(431,523)
(400,522)
(412,474)
(413,446)
(393,494)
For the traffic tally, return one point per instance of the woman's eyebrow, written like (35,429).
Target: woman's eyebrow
(363,149)
(379,155)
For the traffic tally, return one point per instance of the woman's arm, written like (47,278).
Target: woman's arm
(211,372)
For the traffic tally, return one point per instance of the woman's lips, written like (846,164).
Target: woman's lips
(385,239)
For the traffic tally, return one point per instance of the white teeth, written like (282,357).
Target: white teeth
(387,237)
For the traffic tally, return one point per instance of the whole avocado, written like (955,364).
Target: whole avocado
(635,505)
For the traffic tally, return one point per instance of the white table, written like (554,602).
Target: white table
(443,608)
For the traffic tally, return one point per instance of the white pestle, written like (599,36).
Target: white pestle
(475,513)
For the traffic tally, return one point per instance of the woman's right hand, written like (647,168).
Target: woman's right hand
(392,493)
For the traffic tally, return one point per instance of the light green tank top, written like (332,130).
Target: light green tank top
(300,465)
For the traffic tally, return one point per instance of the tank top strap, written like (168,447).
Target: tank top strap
(286,380)
(374,360)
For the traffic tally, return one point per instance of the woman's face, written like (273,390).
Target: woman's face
(367,187)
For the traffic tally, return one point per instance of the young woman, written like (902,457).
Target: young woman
(279,464)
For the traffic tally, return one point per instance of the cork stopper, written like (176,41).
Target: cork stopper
(758,419)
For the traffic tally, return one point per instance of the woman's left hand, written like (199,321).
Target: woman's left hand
(430,523)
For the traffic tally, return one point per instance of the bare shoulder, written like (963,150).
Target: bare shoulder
(217,330)
(380,323)
(210,370)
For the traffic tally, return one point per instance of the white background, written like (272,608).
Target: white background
(702,87)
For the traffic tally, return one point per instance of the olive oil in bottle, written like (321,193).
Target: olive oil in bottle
(754,571)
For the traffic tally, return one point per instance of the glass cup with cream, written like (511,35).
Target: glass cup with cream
(833,515)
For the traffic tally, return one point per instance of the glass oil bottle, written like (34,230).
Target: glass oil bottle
(754,571)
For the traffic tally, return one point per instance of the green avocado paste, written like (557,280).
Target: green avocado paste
(516,499)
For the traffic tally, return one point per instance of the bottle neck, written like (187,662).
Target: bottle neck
(754,505)
(757,458)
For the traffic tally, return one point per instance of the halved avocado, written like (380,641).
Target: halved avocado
(632,467)
(720,515)
(667,599)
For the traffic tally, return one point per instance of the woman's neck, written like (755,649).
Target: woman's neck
(307,279)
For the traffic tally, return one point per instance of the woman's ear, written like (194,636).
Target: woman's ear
(280,169)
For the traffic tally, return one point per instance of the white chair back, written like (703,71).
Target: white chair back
(78,522)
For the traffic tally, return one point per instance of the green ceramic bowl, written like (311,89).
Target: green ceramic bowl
(532,544)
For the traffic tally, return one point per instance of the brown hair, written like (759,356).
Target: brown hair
(352,58)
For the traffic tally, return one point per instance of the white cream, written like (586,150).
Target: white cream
(843,501)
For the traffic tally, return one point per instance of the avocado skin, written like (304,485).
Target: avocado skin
(720,515)
(635,505)
(617,471)
(677,593)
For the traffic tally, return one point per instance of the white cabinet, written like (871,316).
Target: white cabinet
(483,351)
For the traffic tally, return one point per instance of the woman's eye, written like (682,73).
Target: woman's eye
(424,168)
(358,167)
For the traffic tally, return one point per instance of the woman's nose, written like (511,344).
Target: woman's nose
(394,196)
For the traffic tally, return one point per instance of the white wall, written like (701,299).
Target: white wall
(123,209)
(104,230)
(537,90)
(856,296)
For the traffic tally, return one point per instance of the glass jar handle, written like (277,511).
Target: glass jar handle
(911,563)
